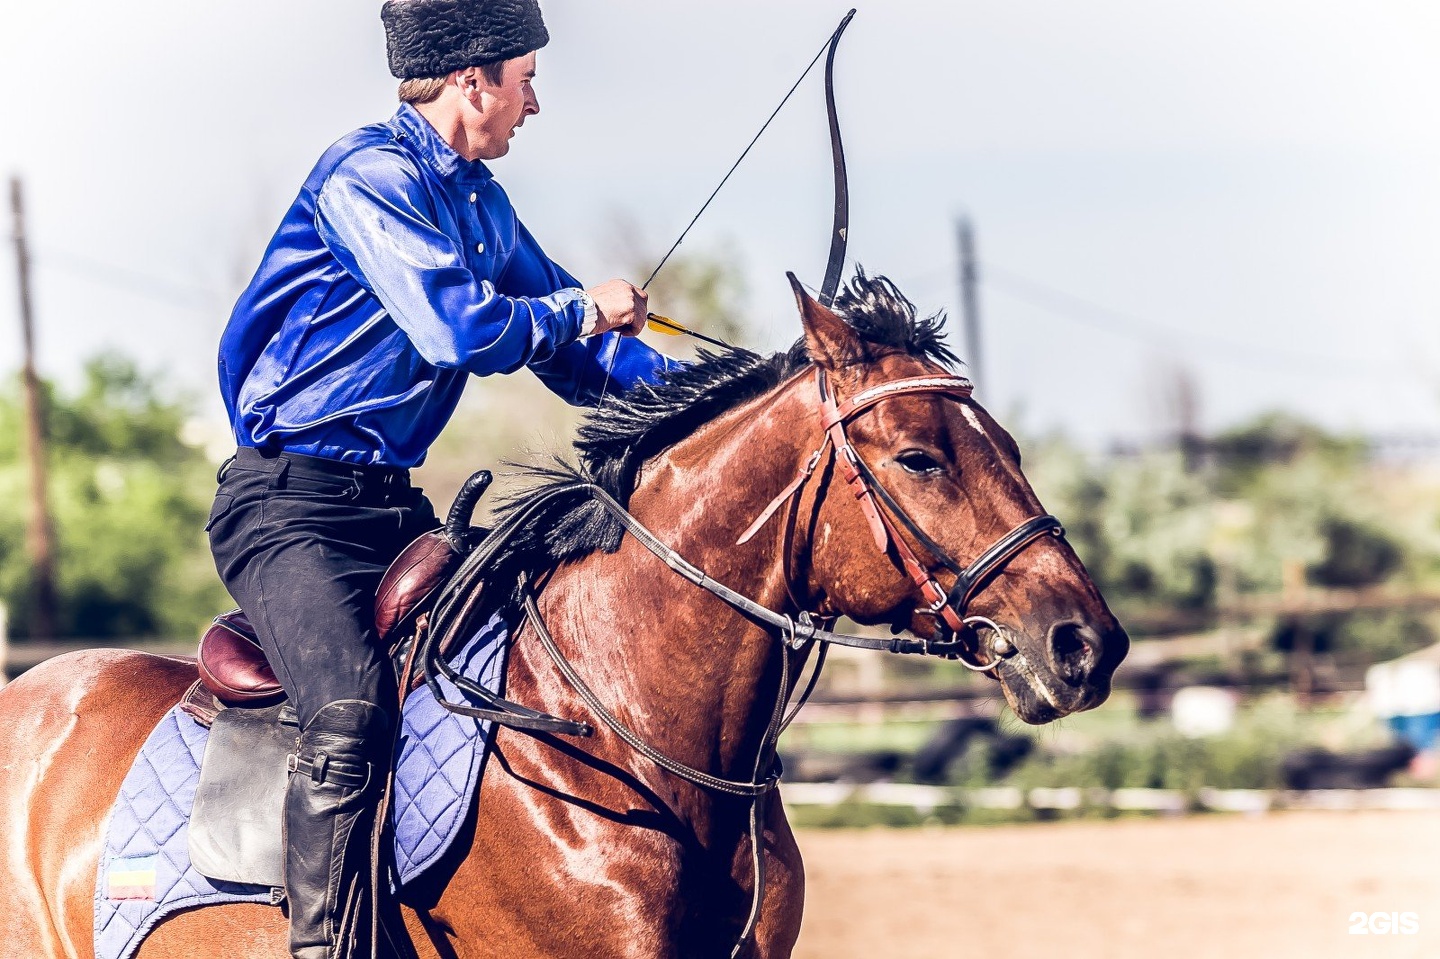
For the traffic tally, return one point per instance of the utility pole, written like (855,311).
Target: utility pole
(970,301)
(40,536)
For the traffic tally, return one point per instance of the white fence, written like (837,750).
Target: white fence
(927,799)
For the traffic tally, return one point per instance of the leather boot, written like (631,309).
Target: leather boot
(336,777)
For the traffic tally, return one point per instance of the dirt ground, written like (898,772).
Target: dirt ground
(1276,886)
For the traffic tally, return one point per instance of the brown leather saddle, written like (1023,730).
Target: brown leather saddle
(233,667)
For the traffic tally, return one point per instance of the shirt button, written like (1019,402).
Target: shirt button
(474,197)
(479,247)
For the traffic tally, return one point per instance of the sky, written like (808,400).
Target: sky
(1242,192)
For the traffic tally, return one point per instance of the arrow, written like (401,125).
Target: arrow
(663,324)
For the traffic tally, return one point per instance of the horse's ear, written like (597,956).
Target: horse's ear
(829,340)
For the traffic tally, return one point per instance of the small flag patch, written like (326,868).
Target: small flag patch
(131,878)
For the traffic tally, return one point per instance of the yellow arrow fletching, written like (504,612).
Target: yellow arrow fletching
(663,324)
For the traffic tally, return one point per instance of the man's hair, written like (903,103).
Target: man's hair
(427,89)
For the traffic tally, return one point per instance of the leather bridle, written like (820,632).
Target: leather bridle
(883,514)
(798,633)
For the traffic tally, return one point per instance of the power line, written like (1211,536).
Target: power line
(1008,282)
(1113,321)
(1133,327)
(143,285)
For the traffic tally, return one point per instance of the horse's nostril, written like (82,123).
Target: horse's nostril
(1074,650)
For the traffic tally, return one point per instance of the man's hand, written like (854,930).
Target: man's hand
(620,306)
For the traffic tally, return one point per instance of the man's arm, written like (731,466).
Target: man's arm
(375,217)
(582,372)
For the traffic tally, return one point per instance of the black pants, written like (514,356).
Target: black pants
(301,544)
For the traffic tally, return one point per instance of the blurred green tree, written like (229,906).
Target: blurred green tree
(1142,524)
(702,291)
(129,497)
(1155,530)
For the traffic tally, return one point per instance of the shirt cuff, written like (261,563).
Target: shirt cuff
(592,315)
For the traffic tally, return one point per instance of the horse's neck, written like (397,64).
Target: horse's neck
(698,679)
(683,670)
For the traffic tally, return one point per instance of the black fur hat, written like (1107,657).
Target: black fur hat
(430,38)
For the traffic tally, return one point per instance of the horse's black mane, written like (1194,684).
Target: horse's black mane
(627,430)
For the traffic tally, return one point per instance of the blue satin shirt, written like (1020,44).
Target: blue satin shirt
(399,270)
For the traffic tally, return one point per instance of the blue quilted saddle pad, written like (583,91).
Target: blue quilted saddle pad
(145,872)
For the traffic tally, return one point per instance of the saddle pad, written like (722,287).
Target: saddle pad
(145,872)
(441,756)
(145,869)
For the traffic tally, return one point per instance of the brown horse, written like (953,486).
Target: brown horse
(584,847)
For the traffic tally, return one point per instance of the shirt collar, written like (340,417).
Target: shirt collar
(431,147)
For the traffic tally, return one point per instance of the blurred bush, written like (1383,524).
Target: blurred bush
(1194,528)
(1154,756)
(1367,635)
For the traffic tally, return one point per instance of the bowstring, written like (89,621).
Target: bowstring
(736,165)
(605,386)
(614,353)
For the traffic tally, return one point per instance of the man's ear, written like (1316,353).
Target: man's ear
(468,81)
(829,340)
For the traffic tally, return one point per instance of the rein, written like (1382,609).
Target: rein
(797,633)
(456,607)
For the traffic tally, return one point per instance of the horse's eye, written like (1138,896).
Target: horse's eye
(918,461)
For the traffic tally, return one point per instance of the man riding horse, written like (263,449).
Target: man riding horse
(400,269)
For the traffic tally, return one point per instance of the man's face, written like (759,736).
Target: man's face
(501,109)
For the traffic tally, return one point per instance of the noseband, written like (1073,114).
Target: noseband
(946,606)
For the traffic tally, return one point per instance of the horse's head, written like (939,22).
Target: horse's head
(934,486)
(910,508)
